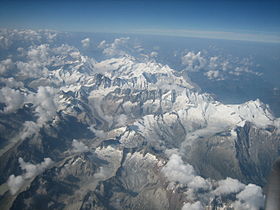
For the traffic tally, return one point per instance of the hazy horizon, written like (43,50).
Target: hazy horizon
(233,20)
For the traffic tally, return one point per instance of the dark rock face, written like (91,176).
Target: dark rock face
(273,189)
(49,142)
(215,157)
(55,187)
(138,183)
(256,151)
(248,158)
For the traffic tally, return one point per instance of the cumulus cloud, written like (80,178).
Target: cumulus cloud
(228,186)
(6,65)
(4,42)
(102,44)
(117,47)
(193,206)
(213,62)
(217,67)
(39,53)
(250,198)
(98,133)
(39,59)
(203,190)
(8,37)
(30,69)
(11,82)
(124,46)
(153,54)
(170,152)
(79,146)
(46,103)
(75,54)
(30,171)
(86,42)
(29,36)
(193,62)
(176,171)
(15,183)
(199,183)
(213,75)
(29,128)
(13,99)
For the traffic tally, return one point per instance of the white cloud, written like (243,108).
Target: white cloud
(176,171)
(102,44)
(75,54)
(170,152)
(120,41)
(13,99)
(8,37)
(6,65)
(4,42)
(29,128)
(98,133)
(213,62)
(228,186)
(193,62)
(250,198)
(218,67)
(15,183)
(11,82)
(30,171)
(30,69)
(44,100)
(79,146)
(86,42)
(259,37)
(191,195)
(153,54)
(117,47)
(46,103)
(212,75)
(38,60)
(199,183)
(193,206)
(39,53)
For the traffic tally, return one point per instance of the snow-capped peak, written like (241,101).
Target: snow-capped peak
(141,75)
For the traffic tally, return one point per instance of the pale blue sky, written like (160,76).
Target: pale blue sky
(241,20)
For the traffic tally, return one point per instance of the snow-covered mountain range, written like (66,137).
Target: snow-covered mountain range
(122,132)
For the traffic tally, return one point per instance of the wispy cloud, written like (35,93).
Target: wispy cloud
(228,35)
